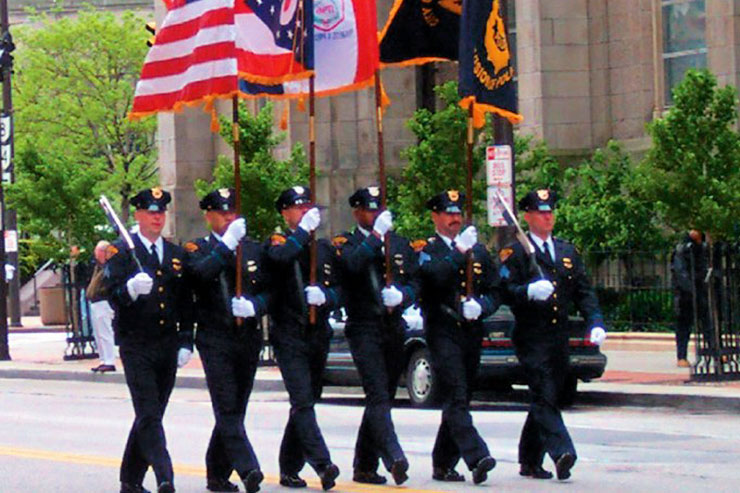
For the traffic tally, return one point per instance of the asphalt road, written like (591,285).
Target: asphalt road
(68,436)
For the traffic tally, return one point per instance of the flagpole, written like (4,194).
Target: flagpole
(312,185)
(238,190)
(469,201)
(381,175)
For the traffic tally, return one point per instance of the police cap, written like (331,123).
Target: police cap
(293,196)
(153,199)
(450,201)
(366,198)
(223,199)
(538,200)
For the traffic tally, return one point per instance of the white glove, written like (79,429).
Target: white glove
(310,220)
(598,336)
(234,233)
(471,309)
(242,307)
(9,272)
(315,296)
(391,296)
(466,239)
(540,290)
(383,223)
(183,356)
(140,284)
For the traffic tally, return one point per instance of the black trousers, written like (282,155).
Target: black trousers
(150,369)
(230,363)
(455,362)
(378,354)
(544,430)
(301,356)
(684,302)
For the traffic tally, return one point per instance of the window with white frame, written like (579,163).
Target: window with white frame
(684,40)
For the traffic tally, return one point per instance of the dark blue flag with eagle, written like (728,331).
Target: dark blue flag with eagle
(486,77)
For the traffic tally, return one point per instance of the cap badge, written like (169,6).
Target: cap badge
(373,191)
(453,195)
(299,190)
(224,192)
(543,194)
(157,193)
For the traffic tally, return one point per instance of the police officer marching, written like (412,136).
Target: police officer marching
(153,327)
(454,332)
(374,328)
(301,347)
(541,306)
(229,351)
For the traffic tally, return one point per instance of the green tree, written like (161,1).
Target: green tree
(691,172)
(436,163)
(263,176)
(536,167)
(604,210)
(74,86)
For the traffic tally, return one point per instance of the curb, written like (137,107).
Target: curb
(617,398)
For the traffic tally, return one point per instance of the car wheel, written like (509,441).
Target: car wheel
(420,379)
(569,392)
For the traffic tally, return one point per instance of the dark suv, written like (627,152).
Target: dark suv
(499,367)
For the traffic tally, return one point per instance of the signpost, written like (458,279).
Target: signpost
(499,176)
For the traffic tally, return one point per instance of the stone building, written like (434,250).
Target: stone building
(588,71)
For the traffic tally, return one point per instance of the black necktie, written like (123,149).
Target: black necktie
(546,248)
(154,254)
(453,244)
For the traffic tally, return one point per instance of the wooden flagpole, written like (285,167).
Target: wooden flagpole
(237,189)
(312,184)
(469,202)
(381,175)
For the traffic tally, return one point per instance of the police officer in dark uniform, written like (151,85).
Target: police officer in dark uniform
(153,327)
(541,306)
(301,348)
(454,332)
(375,329)
(229,351)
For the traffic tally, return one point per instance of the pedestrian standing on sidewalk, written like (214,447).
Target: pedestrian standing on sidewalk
(101,313)
(154,329)
(375,329)
(229,350)
(541,306)
(454,332)
(689,264)
(301,347)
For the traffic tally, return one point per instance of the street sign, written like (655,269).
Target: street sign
(499,176)
(5,128)
(6,131)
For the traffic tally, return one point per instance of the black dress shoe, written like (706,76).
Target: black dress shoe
(447,474)
(564,464)
(369,477)
(398,471)
(166,487)
(133,488)
(534,472)
(252,480)
(292,481)
(221,485)
(105,368)
(328,477)
(480,471)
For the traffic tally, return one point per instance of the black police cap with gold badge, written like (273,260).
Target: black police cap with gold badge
(223,199)
(293,196)
(538,200)
(154,199)
(366,198)
(450,202)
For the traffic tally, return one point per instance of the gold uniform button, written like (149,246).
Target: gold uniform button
(554,320)
(161,289)
(555,296)
(161,305)
(555,308)
(161,322)
(159,272)
(554,283)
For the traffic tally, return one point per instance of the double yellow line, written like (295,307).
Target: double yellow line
(94,460)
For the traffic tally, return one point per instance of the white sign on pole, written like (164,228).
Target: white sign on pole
(11,241)
(499,176)
(5,129)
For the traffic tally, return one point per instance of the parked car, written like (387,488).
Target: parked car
(499,367)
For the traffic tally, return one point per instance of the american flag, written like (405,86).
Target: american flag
(204,46)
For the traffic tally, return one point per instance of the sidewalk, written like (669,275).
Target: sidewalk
(641,371)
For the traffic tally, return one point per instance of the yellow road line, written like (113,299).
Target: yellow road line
(96,460)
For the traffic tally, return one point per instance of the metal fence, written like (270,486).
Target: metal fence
(634,289)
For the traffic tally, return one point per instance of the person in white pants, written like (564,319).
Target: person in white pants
(101,313)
